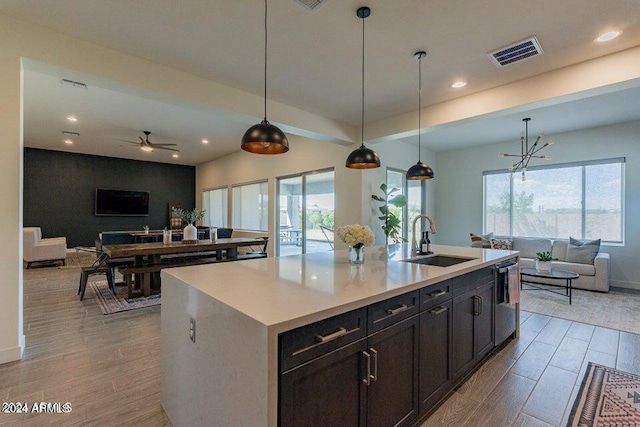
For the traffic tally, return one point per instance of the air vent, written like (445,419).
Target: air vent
(69,133)
(311,4)
(78,85)
(516,52)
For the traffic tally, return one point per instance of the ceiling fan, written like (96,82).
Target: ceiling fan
(146,145)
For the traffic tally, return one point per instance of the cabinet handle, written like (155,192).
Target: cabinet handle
(438,310)
(436,294)
(325,338)
(367,379)
(399,309)
(476,306)
(480,305)
(374,377)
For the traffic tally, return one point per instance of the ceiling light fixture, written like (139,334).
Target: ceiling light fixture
(458,85)
(146,148)
(610,35)
(175,155)
(527,153)
(420,171)
(72,119)
(265,138)
(68,141)
(205,141)
(363,157)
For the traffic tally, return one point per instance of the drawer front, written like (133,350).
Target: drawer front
(435,294)
(475,279)
(392,310)
(308,342)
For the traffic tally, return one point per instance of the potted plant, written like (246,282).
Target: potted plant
(543,261)
(392,225)
(190,232)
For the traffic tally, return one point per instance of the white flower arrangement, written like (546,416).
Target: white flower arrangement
(356,235)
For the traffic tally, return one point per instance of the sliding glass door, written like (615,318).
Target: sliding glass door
(306,208)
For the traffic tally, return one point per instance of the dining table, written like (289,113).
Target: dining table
(150,257)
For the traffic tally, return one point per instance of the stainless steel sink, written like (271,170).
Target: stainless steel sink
(439,260)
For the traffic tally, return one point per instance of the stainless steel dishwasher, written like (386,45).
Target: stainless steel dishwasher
(505,313)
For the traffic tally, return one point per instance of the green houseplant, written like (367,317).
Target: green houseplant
(391,212)
(543,261)
(190,232)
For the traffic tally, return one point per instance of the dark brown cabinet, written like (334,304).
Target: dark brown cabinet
(393,388)
(388,363)
(327,391)
(473,309)
(436,334)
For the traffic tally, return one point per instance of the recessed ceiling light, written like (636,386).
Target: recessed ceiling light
(72,119)
(175,155)
(610,35)
(68,141)
(458,85)
(205,141)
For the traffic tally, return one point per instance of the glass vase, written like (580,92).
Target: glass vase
(356,255)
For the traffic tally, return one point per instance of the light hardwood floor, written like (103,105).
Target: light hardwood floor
(108,367)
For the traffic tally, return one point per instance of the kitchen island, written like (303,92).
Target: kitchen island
(252,343)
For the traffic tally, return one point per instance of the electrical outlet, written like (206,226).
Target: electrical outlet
(192,329)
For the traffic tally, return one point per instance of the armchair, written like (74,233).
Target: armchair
(37,249)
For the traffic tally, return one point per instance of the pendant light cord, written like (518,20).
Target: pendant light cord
(362,118)
(419,106)
(265,60)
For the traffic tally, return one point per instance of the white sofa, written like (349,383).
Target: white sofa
(593,277)
(37,249)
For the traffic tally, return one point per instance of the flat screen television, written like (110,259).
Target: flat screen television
(121,202)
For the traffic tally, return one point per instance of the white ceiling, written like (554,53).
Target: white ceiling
(314,65)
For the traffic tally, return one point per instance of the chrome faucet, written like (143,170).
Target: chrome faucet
(414,243)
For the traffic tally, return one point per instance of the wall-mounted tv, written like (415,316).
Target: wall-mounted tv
(121,203)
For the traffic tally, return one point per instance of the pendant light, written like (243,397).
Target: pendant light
(363,157)
(419,171)
(265,138)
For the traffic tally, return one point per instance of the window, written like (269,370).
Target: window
(582,200)
(250,206)
(215,203)
(395,179)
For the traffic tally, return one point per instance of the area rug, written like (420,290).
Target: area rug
(607,398)
(614,310)
(110,303)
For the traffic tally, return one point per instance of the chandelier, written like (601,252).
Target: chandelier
(527,153)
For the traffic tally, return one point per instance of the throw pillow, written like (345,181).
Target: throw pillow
(505,244)
(582,251)
(478,241)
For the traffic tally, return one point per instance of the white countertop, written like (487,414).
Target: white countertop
(286,292)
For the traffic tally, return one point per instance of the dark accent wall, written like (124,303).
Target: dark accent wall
(59,193)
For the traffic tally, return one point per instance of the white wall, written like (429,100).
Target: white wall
(353,187)
(459,190)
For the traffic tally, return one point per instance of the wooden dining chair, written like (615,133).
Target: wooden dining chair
(99,266)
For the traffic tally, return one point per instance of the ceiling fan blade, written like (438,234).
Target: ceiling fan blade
(143,141)
(163,145)
(124,140)
(165,148)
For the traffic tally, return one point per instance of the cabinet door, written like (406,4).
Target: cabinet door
(435,353)
(327,391)
(393,393)
(483,336)
(464,309)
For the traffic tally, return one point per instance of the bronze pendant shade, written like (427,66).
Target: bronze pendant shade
(363,157)
(420,171)
(265,138)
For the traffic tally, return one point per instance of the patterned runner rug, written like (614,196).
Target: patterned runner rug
(110,303)
(607,398)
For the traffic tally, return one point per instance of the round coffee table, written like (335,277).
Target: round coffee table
(567,276)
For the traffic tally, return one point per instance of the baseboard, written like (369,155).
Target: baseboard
(12,354)
(626,285)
